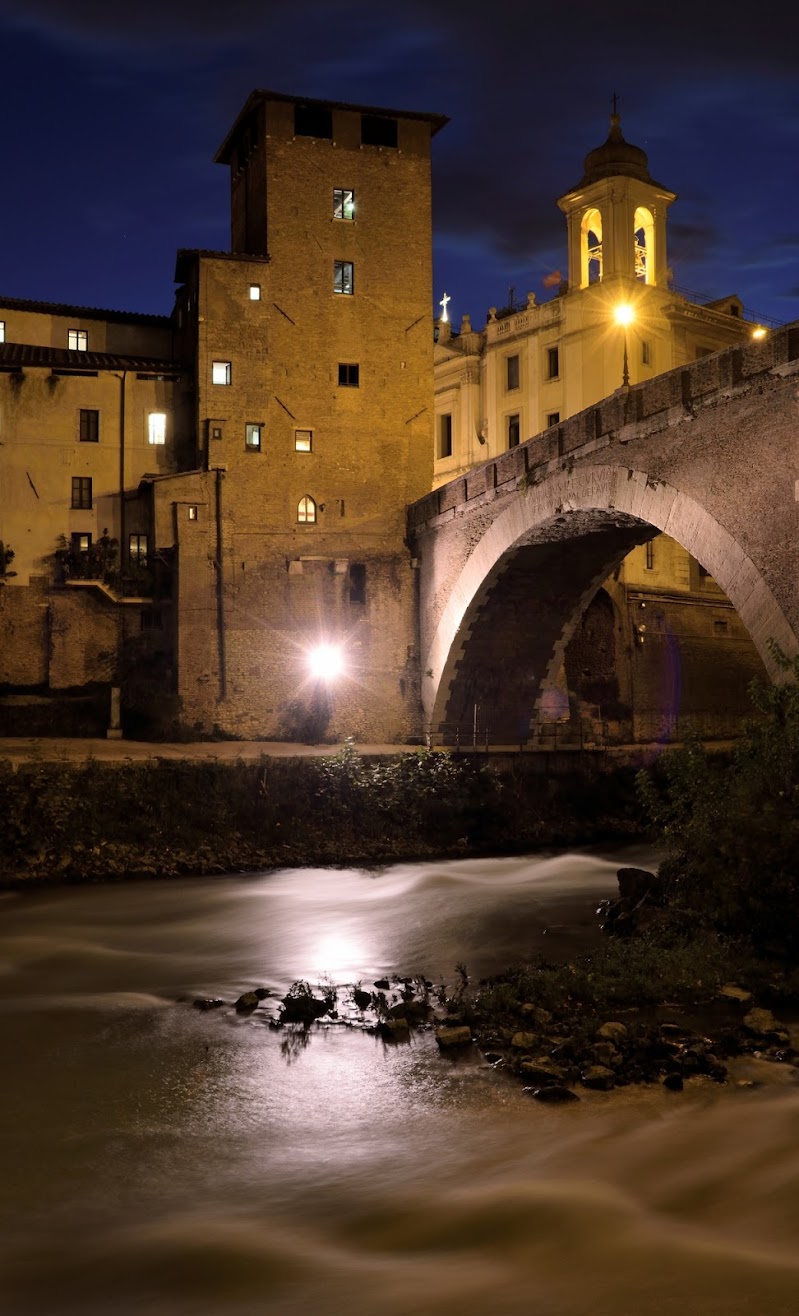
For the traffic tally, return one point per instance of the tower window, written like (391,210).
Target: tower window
(255,292)
(646,353)
(306,511)
(78,340)
(343,203)
(252,436)
(643,242)
(156,427)
(650,555)
(2,331)
(348,374)
(89,426)
(82,492)
(343,277)
(313,121)
(192,511)
(303,440)
(514,430)
(553,418)
(221,372)
(512,372)
(591,248)
(445,435)
(378,130)
(553,363)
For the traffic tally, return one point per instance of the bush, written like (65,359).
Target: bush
(732,829)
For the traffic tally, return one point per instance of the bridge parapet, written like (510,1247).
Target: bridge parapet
(629,413)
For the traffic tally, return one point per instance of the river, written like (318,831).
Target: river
(160,1160)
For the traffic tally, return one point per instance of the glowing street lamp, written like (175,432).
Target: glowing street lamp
(759,331)
(325,662)
(624,316)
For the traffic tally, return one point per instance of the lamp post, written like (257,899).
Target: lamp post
(624,315)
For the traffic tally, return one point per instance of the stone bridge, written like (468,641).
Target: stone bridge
(511,554)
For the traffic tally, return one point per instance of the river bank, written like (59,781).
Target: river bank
(96,821)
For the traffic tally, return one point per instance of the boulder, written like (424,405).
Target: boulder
(524,1041)
(208,1002)
(760,1022)
(537,1014)
(261,993)
(247,1002)
(732,993)
(450,1037)
(673,1083)
(383,984)
(395,1030)
(612,1032)
(554,1095)
(598,1077)
(541,1072)
(362,999)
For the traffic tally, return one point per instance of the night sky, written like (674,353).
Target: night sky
(112,114)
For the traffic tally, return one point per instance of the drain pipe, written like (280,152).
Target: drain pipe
(122,523)
(219,472)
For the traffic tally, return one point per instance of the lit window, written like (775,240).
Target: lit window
(192,511)
(514,430)
(89,426)
(82,492)
(512,366)
(156,427)
(252,437)
(137,550)
(343,203)
(553,363)
(348,375)
(303,440)
(445,436)
(220,372)
(553,418)
(81,543)
(343,277)
(78,340)
(306,511)
(2,331)
(255,292)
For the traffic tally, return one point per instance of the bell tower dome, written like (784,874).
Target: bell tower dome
(616,216)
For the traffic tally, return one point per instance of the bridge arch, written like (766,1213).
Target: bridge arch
(601,511)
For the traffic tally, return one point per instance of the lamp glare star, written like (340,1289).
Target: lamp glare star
(326,662)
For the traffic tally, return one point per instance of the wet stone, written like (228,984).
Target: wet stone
(760,1021)
(541,1072)
(555,1095)
(598,1077)
(395,1030)
(383,984)
(362,999)
(524,1041)
(673,1082)
(612,1032)
(261,993)
(208,1002)
(453,1037)
(246,1002)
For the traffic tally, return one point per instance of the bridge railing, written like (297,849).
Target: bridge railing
(539,735)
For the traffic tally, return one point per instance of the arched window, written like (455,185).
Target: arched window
(591,248)
(306,511)
(644,241)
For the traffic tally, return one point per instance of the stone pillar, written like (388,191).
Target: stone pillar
(114,731)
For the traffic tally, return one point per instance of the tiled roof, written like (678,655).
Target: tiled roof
(84,312)
(15,356)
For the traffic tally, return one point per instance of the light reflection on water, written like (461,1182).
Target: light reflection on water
(157,1159)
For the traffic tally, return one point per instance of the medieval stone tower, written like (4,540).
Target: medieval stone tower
(314,386)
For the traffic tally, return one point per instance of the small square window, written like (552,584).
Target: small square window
(512,368)
(445,435)
(378,130)
(348,375)
(192,512)
(221,372)
(215,430)
(252,437)
(89,426)
(553,418)
(553,363)
(514,430)
(82,492)
(646,353)
(78,340)
(2,331)
(343,277)
(313,121)
(719,626)
(80,543)
(255,292)
(303,440)
(343,203)
(156,428)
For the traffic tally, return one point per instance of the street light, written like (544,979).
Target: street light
(326,662)
(759,331)
(624,315)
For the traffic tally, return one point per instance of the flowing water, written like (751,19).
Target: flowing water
(155,1159)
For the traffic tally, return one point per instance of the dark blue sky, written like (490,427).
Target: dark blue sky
(112,115)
